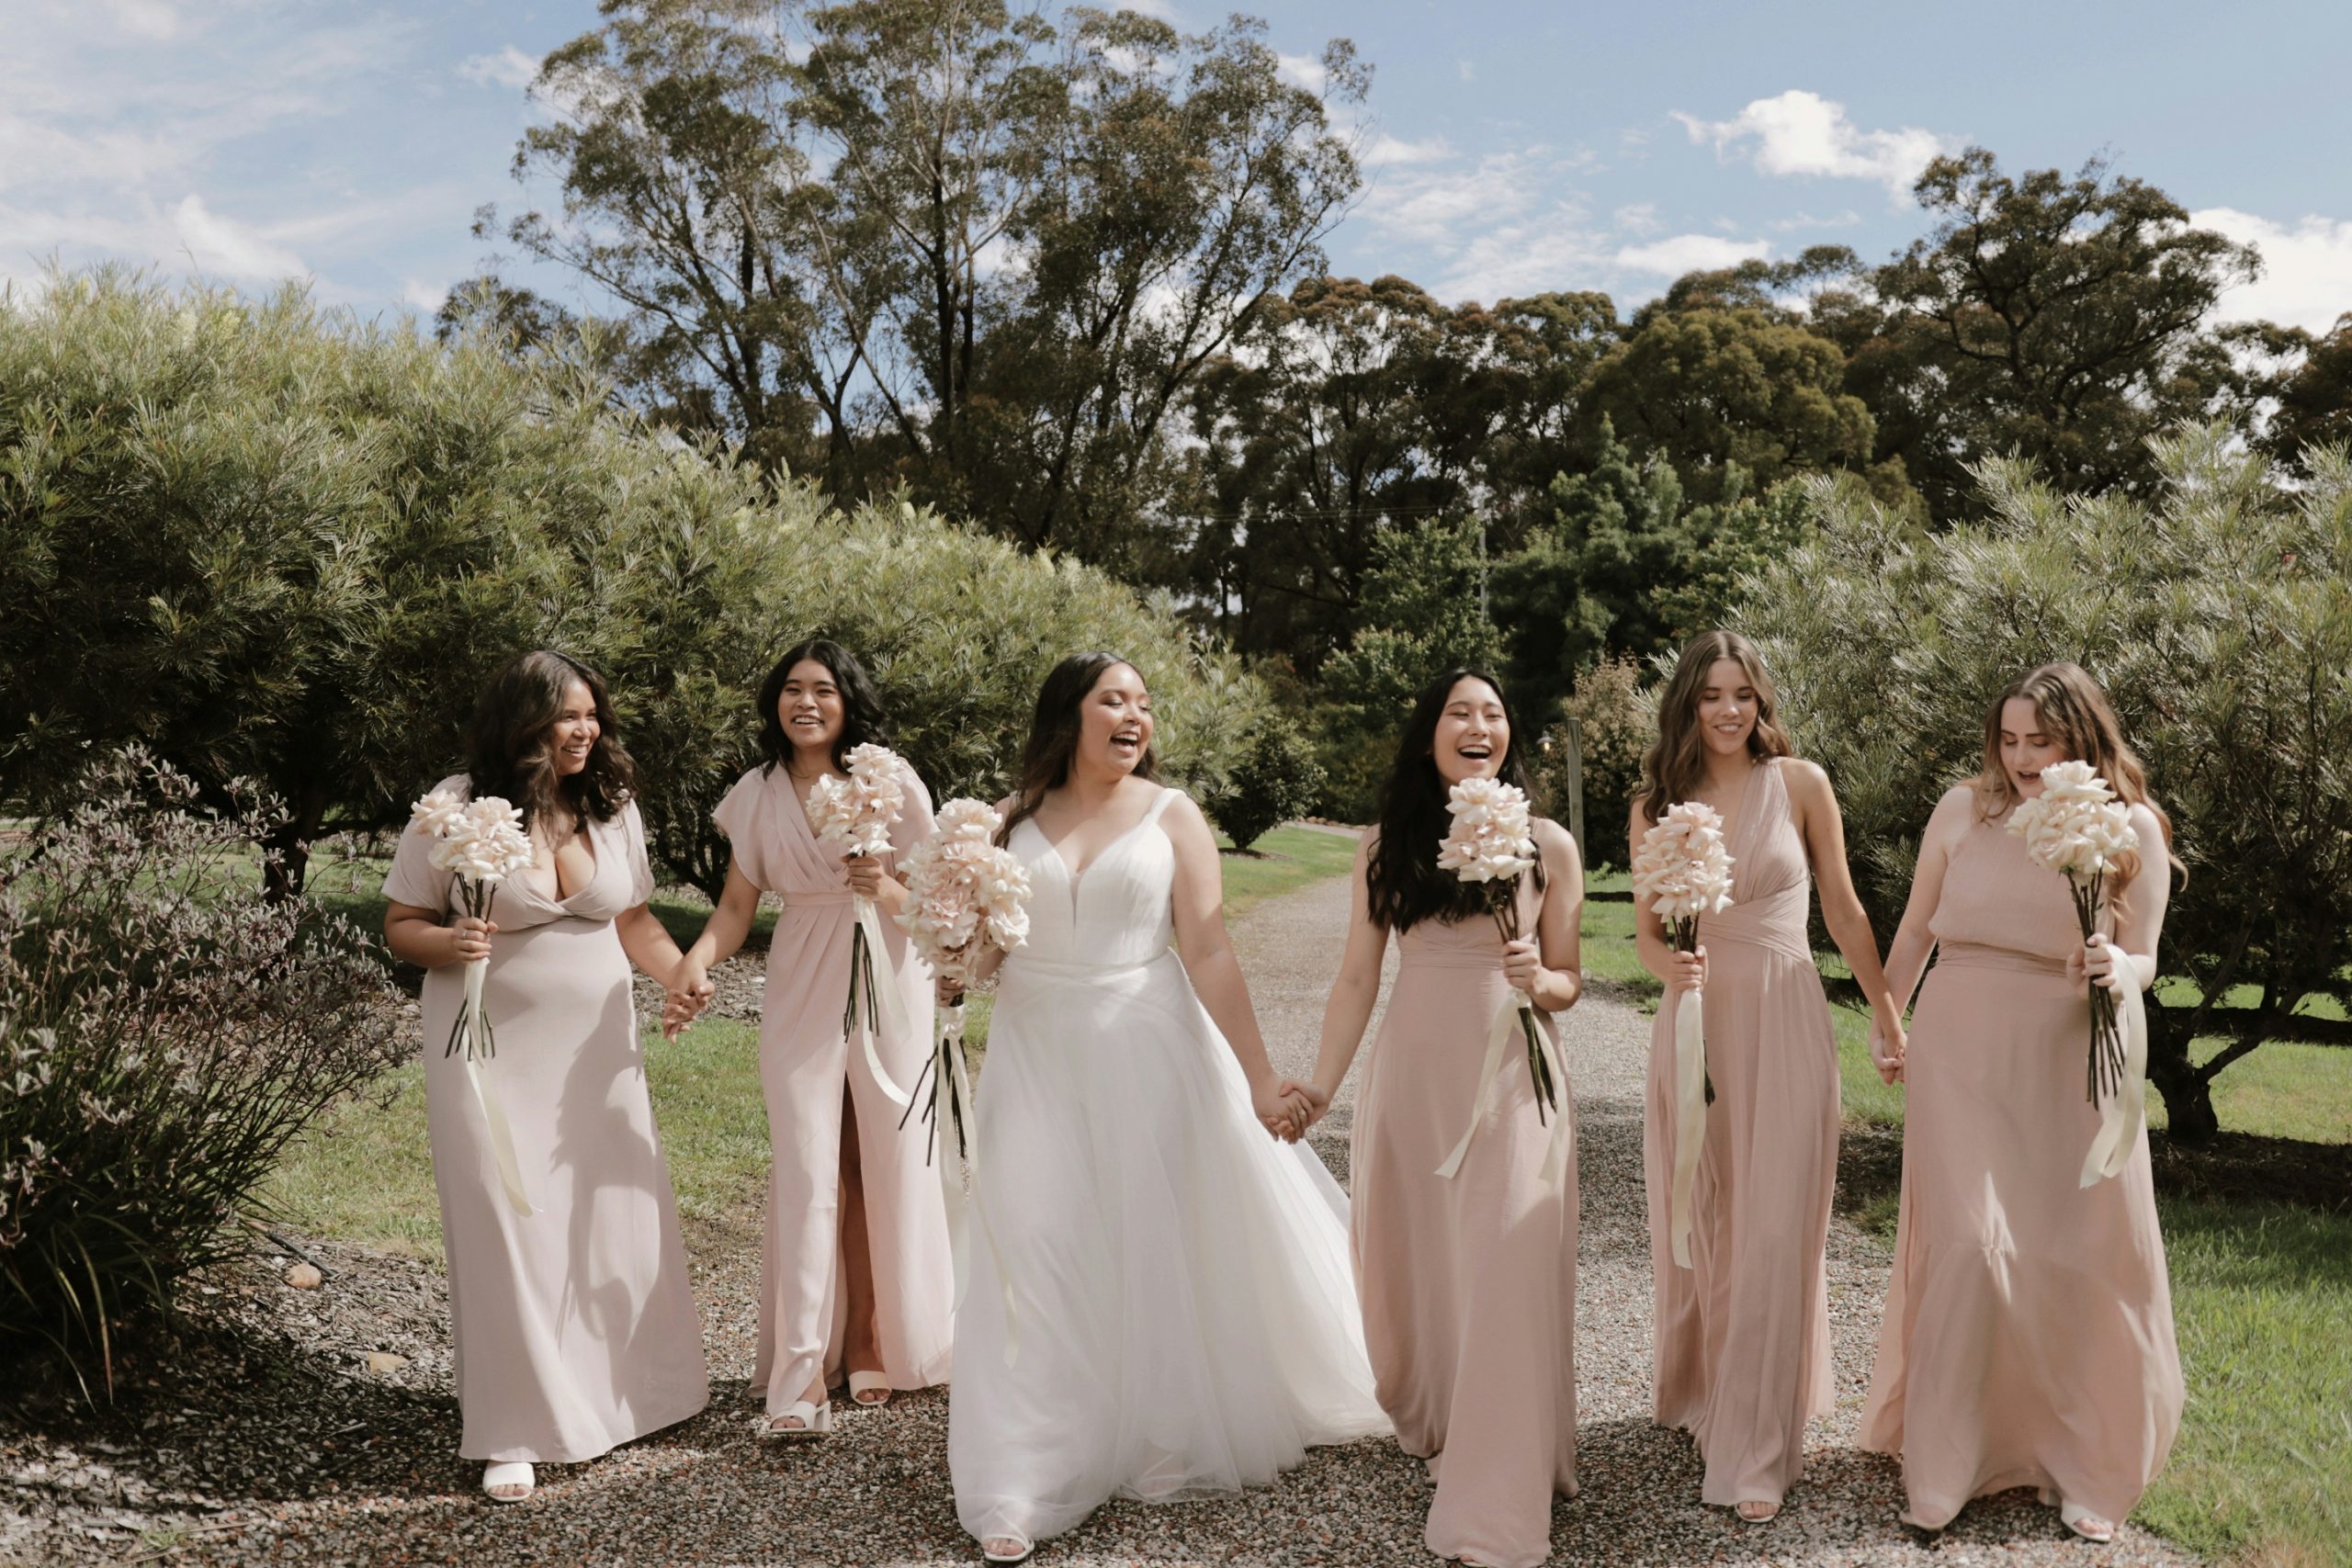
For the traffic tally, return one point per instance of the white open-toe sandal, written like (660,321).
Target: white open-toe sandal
(863,1384)
(2077,1517)
(815,1421)
(508,1481)
(992,1550)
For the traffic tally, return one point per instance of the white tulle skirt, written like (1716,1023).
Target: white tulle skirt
(1160,1304)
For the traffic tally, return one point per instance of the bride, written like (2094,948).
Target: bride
(1161,1302)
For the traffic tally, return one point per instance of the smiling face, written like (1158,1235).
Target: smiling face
(1115,724)
(2027,746)
(1472,733)
(810,710)
(574,734)
(1727,705)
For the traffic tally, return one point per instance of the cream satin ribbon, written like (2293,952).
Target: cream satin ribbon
(959,1177)
(1689,1119)
(493,1113)
(2120,1119)
(1502,1036)
(893,1010)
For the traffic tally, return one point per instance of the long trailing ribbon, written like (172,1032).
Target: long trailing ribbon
(1689,1119)
(2126,1110)
(959,1167)
(882,984)
(1507,1029)
(493,1112)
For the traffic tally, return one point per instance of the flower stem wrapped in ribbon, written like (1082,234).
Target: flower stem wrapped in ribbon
(481,843)
(1491,842)
(857,813)
(1682,871)
(2077,827)
(963,892)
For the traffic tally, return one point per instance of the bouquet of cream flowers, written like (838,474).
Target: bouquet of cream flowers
(963,890)
(1491,842)
(482,842)
(1682,871)
(856,813)
(2077,827)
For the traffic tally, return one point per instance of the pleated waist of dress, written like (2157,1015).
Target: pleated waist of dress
(1774,921)
(1020,966)
(1983,956)
(830,897)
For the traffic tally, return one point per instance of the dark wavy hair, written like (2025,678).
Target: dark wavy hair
(510,743)
(862,716)
(1674,767)
(1403,878)
(1053,735)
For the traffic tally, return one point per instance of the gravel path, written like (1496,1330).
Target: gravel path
(334,1461)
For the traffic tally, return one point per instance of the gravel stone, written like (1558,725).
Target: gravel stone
(319,1426)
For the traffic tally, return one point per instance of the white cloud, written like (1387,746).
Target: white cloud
(228,248)
(1301,69)
(424,298)
(510,67)
(1689,252)
(1804,133)
(1846,220)
(1467,70)
(1387,152)
(1640,218)
(1435,206)
(2306,270)
(155,19)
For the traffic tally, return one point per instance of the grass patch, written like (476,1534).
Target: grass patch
(1281,861)
(2263,1469)
(2283,1090)
(364,1174)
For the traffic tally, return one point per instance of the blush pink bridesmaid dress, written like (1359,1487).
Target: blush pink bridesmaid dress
(2028,1338)
(1469,1283)
(805,1068)
(1742,1355)
(573,1327)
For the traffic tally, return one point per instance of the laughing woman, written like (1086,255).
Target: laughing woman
(856,1283)
(1469,1281)
(574,1325)
(2028,1338)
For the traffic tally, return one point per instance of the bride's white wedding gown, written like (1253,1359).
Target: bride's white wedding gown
(1184,1319)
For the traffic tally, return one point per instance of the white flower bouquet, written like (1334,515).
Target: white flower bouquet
(482,843)
(856,813)
(1491,842)
(963,891)
(1683,870)
(2079,827)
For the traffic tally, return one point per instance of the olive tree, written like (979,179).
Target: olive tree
(2218,613)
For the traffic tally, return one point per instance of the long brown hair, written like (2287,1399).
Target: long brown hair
(511,742)
(2073,712)
(1675,765)
(1052,745)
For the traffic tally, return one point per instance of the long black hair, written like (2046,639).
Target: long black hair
(1404,883)
(510,744)
(862,716)
(1053,735)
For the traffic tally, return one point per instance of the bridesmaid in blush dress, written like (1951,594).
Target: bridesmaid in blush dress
(573,1325)
(856,1282)
(2028,1338)
(1468,1281)
(1742,1358)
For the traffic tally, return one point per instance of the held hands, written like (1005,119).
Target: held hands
(1888,1046)
(1690,972)
(690,991)
(470,939)
(2100,962)
(1521,965)
(1287,1107)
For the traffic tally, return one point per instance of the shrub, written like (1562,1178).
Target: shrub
(1276,779)
(1617,719)
(2219,616)
(164,1032)
(273,543)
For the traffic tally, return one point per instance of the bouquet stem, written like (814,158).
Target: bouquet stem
(1539,1066)
(2105,1068)
(470,1031)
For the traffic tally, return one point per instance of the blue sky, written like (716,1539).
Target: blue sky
(1512,148)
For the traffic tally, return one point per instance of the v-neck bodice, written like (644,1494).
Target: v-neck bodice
(623,878)
(1116,913)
